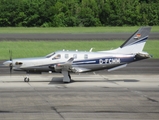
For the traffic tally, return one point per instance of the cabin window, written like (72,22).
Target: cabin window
(57,57)
(75,56)
(85,56)
(66,56)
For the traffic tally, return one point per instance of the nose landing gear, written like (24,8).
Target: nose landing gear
(26,79)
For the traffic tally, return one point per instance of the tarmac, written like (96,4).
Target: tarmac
(69,36)
(87,97)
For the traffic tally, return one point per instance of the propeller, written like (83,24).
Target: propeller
(10,65)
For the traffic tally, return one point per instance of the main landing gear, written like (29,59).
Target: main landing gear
(66,76)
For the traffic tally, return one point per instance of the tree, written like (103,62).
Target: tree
(88,14)
(56,13)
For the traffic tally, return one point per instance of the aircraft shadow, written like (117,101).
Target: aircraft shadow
(2,111)
(124,80)
(59,80)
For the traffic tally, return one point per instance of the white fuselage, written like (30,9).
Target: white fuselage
(89,61)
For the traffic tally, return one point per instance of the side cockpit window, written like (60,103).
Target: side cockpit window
(56,57)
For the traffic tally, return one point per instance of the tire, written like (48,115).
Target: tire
(26,79)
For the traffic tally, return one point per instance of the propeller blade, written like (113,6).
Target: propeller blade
(11,67)
(10,55)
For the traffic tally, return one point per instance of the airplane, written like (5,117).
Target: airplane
(67,62)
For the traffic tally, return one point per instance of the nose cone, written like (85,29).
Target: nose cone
(7,63)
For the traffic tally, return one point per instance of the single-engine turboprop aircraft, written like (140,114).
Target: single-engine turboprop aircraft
(66,62)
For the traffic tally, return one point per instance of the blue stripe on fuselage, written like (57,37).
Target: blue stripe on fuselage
(105,60)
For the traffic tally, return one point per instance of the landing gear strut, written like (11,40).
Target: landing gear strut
(69,76)
(66,76)
(26,79)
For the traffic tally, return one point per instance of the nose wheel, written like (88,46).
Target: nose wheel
(26,79)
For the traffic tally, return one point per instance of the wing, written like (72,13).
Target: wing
(79,69)
(64,66)
(67,66)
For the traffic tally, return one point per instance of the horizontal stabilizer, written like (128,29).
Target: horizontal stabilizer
(141,56)
(118,67)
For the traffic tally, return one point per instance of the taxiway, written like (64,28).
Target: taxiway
(69,36)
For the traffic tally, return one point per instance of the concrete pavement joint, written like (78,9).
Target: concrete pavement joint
(142,95)
(107,79)
(53,108)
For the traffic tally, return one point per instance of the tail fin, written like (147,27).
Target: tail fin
(135,43)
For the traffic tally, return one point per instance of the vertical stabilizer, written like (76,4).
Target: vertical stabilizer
(139,36)
(136,42)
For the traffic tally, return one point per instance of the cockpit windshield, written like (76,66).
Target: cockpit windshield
(50,55)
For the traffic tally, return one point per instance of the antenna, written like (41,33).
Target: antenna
(91,50)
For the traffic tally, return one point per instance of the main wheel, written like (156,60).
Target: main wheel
(26,79)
